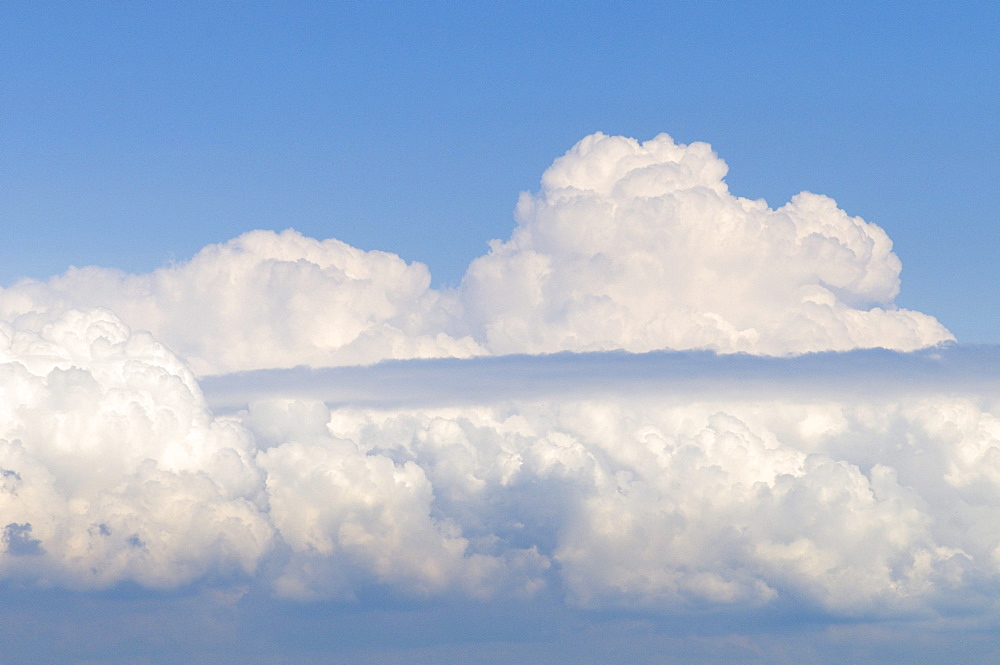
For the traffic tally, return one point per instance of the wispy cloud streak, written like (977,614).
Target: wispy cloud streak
(694,374)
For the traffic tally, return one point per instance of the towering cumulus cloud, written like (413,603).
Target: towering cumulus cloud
(628,245)
(641,246)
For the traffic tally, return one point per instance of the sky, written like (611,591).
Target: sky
(521,332)
(135,135)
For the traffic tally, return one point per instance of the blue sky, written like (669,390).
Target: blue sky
(652,422)
(136,134)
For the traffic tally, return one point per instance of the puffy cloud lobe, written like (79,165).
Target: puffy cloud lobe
(267,299)
(113,468)
(352,517)
(641,246)
(686,506)
(627,245)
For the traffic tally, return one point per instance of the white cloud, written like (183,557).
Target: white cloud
(641,246)
(656,503)
(627,245)
(266,299)
(670,481)
(351,517)
(641,493)
(112,465)
(684,482)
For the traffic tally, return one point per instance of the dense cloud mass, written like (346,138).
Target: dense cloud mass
(266,300)
(628,245)
(639,497)
(579,477)
(849,506)
(641,246)
(112,467)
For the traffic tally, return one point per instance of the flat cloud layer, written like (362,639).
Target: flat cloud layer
(627,245)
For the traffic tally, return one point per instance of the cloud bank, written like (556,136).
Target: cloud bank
(628,245)
(221,424)
(878,502)
(266,299)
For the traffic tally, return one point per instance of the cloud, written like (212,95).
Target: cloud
(865,373)
(266,299)
(17,538)
(855,485)
(640,246)
(628,245)
(690,505)
(218,425)
(743,492)
(113,468)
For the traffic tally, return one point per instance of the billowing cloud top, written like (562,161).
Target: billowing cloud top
(641,246)
(628,245)
(265,299)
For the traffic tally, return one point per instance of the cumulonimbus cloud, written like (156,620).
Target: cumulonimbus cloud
(627,245)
